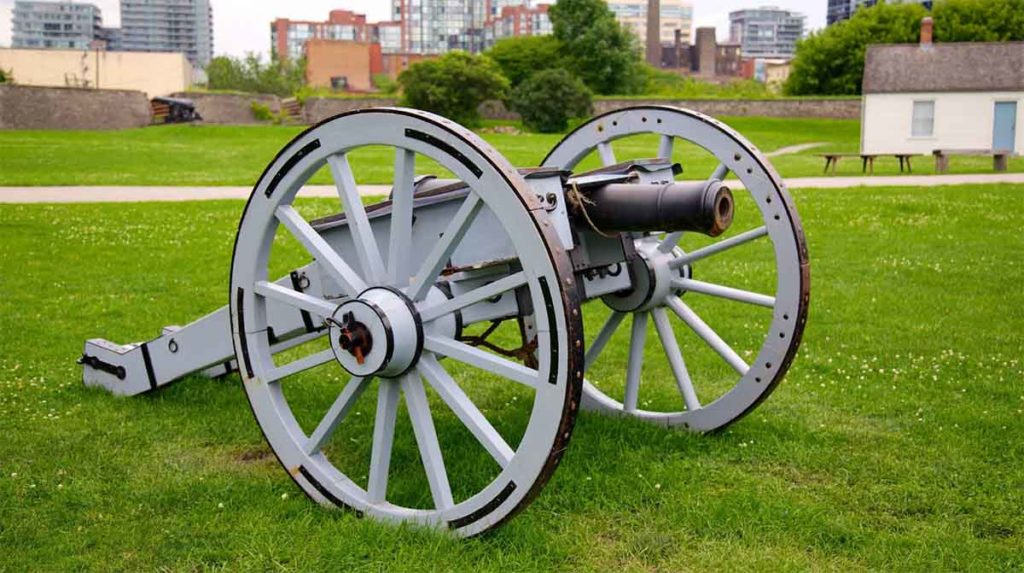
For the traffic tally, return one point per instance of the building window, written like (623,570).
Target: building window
(923,124)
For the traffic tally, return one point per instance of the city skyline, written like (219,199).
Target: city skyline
(240,26)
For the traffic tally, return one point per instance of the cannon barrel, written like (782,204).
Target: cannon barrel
(703,207)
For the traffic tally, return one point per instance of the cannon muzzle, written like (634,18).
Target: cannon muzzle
(702,207)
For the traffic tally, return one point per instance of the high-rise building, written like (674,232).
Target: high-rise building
(437,26)
(184,26)
(64,25)
(766,32)
(419,27)
(288,37)
(674,15)
(839,10)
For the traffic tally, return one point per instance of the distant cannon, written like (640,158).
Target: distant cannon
(429,284)
(173,110)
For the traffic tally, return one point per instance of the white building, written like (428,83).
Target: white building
(957,96)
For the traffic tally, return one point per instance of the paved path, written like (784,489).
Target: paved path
(132,194)
(793,149)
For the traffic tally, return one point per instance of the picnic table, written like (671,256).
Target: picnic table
(867,160)
(1000,157)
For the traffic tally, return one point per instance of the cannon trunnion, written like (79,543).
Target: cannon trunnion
(486,302)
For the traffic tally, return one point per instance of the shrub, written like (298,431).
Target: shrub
(549,99)
(6,77)
(665,83)
(250,74)
(261,112)
(385,84)
(453,85)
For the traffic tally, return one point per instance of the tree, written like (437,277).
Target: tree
(453,85)
(250,74)
(549,99)
(600,51)
(522,56)
(831,61)
(979,20)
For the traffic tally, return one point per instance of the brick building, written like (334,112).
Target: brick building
(518,20)
(288,37)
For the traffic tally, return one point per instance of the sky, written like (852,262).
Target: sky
(242,26)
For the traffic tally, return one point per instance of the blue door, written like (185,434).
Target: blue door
(1004,133)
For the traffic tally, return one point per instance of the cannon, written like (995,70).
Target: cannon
(464,296)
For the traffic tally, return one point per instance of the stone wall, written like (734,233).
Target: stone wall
(28,107)
(24,107)
(317,109)
(819,108)
(229,108)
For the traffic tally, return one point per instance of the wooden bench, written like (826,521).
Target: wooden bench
(867,160)
(1000,158)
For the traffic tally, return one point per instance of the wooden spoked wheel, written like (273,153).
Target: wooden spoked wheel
(383,281)
(669,279)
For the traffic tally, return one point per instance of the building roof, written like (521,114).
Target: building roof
(951,67)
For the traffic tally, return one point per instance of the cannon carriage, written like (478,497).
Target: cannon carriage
(410,299)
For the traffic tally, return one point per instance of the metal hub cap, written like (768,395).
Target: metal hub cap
(652,278)
(378,333)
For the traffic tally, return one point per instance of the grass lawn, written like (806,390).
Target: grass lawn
(896,442)
(236,155)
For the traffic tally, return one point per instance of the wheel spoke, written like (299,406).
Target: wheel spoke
(483,360)
(637,339)
(718,247)
(670,241)
(383,438)
(721,291)
(675,359)
(285,295)
(302,364)
(338,269)
(707,334)
(442,251)
(665,147)
(336,413)
(355,214)
(297,341)
(604,149)
(426,438)
(613,322)
(720,172)
(465,410)
(474,296)
(400,242)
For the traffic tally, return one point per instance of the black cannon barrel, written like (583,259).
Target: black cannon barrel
(703,207)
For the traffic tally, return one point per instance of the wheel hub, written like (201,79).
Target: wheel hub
(379,333)
(652,278)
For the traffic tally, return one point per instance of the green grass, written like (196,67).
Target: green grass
(896,442)
(233,155)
